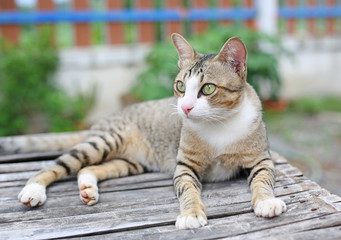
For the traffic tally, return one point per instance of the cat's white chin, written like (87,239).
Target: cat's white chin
(192,118)
(197,121)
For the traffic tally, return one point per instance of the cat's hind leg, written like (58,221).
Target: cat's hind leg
(92,151)
(114,168)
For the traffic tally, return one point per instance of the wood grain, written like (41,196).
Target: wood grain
(145,207)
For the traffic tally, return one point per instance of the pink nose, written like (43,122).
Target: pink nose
(186,109)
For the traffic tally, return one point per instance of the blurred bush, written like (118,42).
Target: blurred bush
(157,80)
(28,91)
(316,105)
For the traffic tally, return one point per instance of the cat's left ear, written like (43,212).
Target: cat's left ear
(234,54)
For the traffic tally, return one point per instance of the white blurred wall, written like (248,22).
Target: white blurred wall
(314,68)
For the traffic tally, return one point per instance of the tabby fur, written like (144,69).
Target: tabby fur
(198,135)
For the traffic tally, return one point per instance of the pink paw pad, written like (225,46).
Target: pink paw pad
(88,194)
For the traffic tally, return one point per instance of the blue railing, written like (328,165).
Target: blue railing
(161,15)
(310,12)
(138,15)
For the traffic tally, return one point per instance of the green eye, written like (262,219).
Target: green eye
(180,86)
(208,89)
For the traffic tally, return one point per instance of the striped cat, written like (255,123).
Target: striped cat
(217,131)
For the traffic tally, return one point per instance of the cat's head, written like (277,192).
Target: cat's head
(210,87)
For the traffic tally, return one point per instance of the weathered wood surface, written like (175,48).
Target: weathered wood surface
(144,207)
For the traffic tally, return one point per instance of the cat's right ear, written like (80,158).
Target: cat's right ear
(185,50)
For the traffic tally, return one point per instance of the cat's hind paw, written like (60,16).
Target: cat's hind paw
(270,208)
(191,221)
(88,190)
(32,195)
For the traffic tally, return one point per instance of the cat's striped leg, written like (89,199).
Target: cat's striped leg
(91,151)
(261,181)
(187,187)
(114,168)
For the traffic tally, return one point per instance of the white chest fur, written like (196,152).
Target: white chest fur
(219,136)
(216,172)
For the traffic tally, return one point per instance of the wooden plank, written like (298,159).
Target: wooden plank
(69,186)
(135,181)
(287,170)
(24,166)
(217,201)
(61,192)
(20,157)
(132,216)
(221,193)
(328,233)
(216,196)
(277,158)
(16,176)
(297,225)
(150,180)
(8,185)
(129,219)
(144,206)
(129,225)
(213,211)
(237,227)
(9,169)
(23,163)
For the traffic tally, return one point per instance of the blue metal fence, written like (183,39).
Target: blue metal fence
(134,15)
(288,15)
(161,15)
(310,12)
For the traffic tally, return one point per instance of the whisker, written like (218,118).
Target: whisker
(173,105)
(174,109)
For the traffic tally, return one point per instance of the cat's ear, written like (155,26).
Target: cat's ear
(185,50)
(234,54)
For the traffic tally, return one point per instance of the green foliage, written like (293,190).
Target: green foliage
(27,89)
(157,80)
(302,107)
(316,105)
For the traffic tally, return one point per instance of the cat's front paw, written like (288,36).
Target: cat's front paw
(192,220)
(32,195)
(88,190)
(270,208)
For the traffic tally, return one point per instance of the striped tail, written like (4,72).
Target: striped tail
(40,142)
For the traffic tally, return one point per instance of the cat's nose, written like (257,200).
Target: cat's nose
(186,109)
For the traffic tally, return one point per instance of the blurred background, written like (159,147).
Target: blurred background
(66,63)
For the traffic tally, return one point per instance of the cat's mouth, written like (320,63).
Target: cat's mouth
(210,118)
(195,118)
(191,117)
